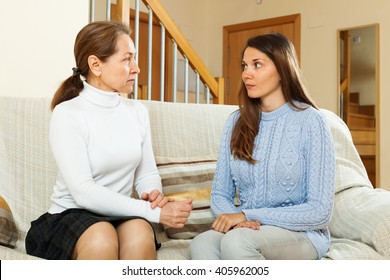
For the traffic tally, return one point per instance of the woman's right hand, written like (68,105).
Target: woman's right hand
(175,214)
(248,224)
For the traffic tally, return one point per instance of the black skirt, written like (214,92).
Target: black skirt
(54,236)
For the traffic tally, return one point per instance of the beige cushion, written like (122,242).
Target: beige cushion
(189,178)
(8,232)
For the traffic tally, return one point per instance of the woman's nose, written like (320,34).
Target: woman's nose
(246,73)
(134,68)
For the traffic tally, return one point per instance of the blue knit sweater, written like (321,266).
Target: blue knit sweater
(292,183)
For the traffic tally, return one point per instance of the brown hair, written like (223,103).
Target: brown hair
(282,53)
(97,38)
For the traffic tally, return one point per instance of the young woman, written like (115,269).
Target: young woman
(277,154)
(102,146)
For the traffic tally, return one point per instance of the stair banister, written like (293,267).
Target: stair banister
(213,85)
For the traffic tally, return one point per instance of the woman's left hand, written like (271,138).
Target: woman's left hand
(156,198)
(225,222)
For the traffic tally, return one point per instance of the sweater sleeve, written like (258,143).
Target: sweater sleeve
(223,190)
(147,177)
(315,211)
(68,137)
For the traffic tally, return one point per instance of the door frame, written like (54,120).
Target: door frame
(377,98)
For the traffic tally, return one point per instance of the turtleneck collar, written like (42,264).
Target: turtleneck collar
(269,116)
(99,97)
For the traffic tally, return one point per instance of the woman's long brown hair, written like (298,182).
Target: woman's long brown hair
(97,38)
(282,53)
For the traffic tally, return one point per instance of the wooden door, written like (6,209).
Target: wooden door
(234,40)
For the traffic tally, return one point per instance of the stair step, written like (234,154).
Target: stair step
(353,108)
(370,165)
(360,120)
(367,110)
(363,136)
(366,150)
(354,97)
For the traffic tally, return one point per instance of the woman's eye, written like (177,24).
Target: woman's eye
(244,66)
(257,65)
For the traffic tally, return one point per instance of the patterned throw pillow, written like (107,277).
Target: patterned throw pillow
(189,178)
(8,232)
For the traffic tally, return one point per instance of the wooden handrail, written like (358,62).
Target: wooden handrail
(186,49)
(343,85)
(216,85)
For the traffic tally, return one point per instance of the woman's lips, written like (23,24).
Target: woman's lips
(248,86)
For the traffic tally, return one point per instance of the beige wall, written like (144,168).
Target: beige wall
(36,49)
(320,21)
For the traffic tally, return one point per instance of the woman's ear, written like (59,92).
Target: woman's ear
(94,64)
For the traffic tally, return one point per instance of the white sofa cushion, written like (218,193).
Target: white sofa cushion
(27,167)
(362,214)
(350,171)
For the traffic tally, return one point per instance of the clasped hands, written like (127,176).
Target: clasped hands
(173,213)
(225,222)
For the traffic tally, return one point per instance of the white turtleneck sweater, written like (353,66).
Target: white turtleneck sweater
(102,145)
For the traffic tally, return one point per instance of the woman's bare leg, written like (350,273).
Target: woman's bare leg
(98,242)
(136,241)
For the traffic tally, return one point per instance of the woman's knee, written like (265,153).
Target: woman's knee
(99,241)
(136,231)
(206,245)
(236,244)
(136,240)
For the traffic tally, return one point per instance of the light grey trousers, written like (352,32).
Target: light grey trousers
(269,242)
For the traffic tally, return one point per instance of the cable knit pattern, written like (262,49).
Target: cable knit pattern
(292,183)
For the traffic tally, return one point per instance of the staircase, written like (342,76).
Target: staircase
(361,122)
(166,47)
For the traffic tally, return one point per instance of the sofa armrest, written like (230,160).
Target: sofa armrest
(363,214)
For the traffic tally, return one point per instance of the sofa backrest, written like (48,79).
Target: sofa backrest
(27,167)
(182,130)
(28,170)
(350,171)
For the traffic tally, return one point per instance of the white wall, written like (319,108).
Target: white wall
(363,62)
(36,49)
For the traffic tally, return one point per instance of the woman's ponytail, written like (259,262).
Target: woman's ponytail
(70,88)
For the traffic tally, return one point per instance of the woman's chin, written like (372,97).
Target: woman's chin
(127,89)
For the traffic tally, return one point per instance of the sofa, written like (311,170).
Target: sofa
(185,143)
